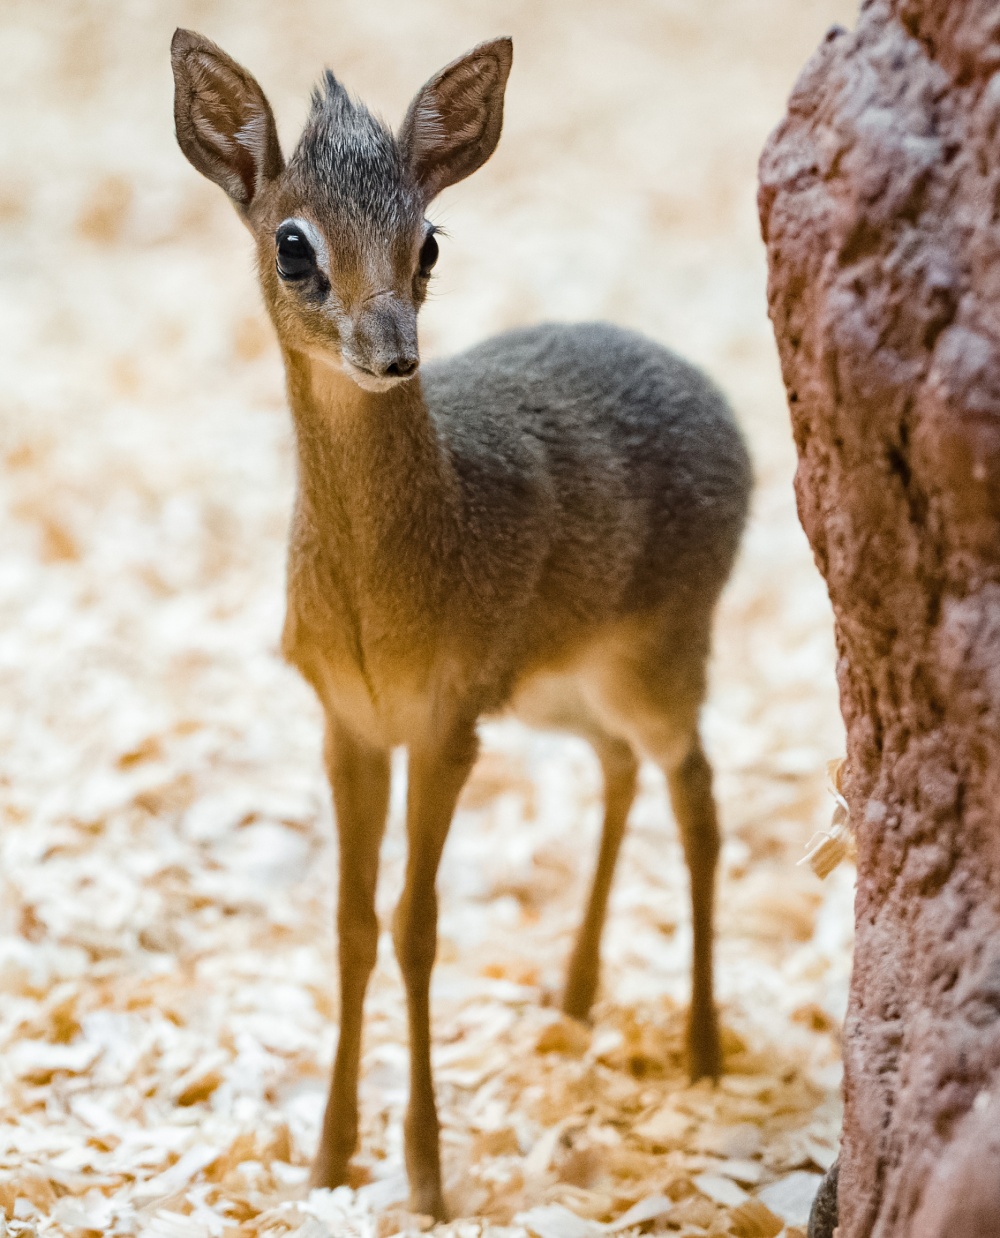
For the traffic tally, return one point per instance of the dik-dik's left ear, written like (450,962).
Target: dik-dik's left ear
(453,125)
(224,123)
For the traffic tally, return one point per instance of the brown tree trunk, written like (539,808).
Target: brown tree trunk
(880,206)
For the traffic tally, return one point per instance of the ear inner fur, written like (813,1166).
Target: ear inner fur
(224,123)
(453,125)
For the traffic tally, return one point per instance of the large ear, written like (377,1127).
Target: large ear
(453,125)
(224,123)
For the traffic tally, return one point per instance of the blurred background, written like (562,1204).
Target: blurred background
(167,984)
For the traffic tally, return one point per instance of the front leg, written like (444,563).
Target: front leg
(437,772)
(359,777)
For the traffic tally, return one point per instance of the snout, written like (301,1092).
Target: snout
(382,347)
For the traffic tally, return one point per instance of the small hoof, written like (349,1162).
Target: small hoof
(705,1057)
(429,1203)
(704,1044)
(823,1216)
(579,995)
(329,1172)
(575,1007)
(709,1068)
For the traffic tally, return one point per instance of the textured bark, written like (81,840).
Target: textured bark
(880,206)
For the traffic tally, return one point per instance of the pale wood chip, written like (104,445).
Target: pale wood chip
(746,1173)
(792,1197)
(555,1221)
(179,1174)
(719,1189)
(652,1208)
(165,1224)
(37,1061)
(667,1128)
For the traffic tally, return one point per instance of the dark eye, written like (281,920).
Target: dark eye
(294,255)
(428,255)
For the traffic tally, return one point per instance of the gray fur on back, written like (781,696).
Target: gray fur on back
(615,464)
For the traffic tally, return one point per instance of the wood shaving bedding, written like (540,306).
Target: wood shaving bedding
(167,869)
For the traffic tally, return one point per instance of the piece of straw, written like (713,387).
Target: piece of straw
(828,848)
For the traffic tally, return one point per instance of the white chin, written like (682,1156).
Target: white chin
(369,382)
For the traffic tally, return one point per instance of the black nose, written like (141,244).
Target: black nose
(402,367)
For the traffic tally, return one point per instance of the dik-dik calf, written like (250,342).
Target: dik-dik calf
(541,525)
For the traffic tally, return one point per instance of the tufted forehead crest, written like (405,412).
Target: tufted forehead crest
(352,161)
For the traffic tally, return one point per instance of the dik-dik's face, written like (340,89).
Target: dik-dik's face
(345,249)
(348,299)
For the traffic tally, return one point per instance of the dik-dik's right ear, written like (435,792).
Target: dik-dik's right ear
(453,125)
(224,123)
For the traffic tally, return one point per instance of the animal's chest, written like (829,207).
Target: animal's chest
(361,644)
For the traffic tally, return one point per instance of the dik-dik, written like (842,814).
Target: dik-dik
(540,526)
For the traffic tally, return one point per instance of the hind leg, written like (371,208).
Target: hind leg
(690,780)
(656,698)
(562,703)
(620,768)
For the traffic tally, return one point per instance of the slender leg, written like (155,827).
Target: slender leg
(620,768)
(359,776)
(436,776)
(690,782)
